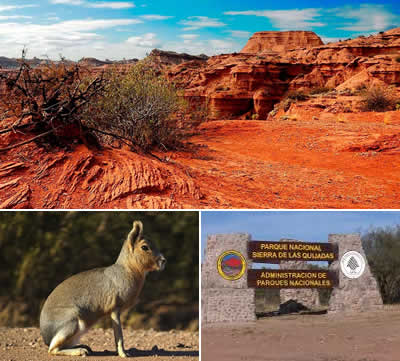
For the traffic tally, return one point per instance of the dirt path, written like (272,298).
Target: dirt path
(21,344)
(365,337)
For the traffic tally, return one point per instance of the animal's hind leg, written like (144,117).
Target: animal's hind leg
(62,342)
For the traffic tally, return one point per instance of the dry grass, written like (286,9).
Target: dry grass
(378,99)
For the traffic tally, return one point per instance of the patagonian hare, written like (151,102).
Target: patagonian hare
(81,300)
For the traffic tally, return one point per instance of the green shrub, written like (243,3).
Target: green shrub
(297,95)
(378,99)
(139,107)
(320,90)
(222,88)
(382,248)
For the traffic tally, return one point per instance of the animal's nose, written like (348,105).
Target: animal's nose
(162,261)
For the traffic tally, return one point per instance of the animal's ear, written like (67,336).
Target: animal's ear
(136,233)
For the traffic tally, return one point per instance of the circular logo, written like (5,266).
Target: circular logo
(231,265)
(352,264)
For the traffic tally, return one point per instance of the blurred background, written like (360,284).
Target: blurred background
(38,250)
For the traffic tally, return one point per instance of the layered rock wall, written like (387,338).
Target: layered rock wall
(280,41)
(272,64)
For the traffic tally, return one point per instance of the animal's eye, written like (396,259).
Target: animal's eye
(145,248)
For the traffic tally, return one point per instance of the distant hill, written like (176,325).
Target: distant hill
(164,58)
(172,58)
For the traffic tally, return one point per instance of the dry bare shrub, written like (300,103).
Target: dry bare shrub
(378,99)
(47,101)
(140,107)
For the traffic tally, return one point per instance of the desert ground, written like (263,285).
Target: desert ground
(307,163)
(362,337)
(310,162)
(21,344)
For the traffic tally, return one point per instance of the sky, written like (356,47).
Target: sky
(131,29)
(301,225)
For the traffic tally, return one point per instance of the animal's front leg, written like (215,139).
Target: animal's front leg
(119,340)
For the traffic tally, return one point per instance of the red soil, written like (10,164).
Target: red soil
(313,160)
(301,164)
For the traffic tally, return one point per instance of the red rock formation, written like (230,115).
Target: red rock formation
(253,81)
(280,41)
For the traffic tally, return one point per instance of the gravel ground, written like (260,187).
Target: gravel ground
(368,336)
(21,344)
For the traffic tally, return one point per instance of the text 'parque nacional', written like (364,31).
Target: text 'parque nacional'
(274,252)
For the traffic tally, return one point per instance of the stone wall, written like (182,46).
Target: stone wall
(224,300)
(228,305)
(353,295)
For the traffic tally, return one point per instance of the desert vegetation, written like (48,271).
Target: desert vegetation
(47,101)
(139,107)
(297,95)
(41,249)
(378,99)
(320,90)
(382,247)
(59,104)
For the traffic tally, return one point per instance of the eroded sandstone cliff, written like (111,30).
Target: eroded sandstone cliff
(280,41)
(249,84)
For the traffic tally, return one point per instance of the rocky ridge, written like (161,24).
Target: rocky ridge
(251,83)
(280,41)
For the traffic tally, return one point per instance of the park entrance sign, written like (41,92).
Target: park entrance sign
(277,252)
(229,279)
